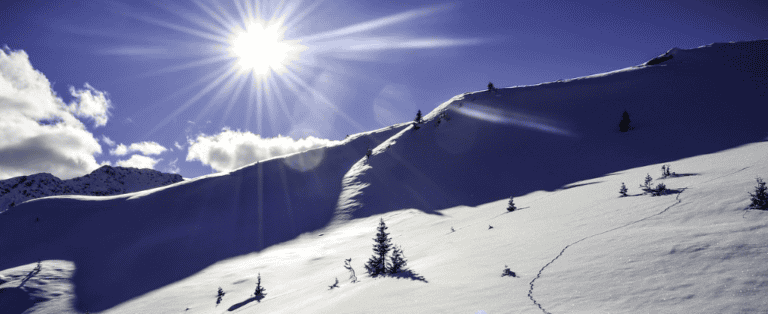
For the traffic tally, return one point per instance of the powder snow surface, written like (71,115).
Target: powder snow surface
(575,246)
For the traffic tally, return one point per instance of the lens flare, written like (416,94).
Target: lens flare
(497,115)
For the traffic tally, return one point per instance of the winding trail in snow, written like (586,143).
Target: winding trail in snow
(678,201)
(530,291)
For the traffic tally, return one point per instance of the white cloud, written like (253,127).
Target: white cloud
(232,149)
(91,103)
(138,161)
(120,150)
(178,146)
(39,131)
(146,148)
(108,141)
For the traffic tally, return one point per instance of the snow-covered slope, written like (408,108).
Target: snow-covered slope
(517,140)
(105,180)
(165,250)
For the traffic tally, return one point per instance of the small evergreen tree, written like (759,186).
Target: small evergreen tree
(760,198)
(623,190)
(418,117)
(511,207)
(491,87)
(624,123)
(665,171)
(220,295)
(398,260)
(368,153)
(660,189)
(647,186)
(260,291)
(377,264)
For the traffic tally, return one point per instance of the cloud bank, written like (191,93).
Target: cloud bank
(39,131)
(229,149)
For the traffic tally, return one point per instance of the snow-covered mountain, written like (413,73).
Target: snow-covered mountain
(442,187)
(105,180)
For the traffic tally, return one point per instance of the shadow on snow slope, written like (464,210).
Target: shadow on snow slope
(510,142)
(125,246)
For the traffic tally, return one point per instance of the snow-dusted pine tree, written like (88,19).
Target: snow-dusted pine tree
(623,190)
(418,117)
(398,260)
(760,198)
(511,206)
(377,264)
(260,291)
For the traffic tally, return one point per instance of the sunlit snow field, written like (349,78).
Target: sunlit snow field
(574,244)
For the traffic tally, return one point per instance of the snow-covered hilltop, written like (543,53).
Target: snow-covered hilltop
(105,180)
(442,187)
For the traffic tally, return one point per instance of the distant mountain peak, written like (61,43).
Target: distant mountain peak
(106,180)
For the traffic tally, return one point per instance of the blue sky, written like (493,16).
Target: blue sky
(162,85)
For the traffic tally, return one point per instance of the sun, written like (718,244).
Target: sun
(256,55)
(262,50)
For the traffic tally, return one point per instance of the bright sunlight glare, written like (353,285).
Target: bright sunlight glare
(261,49)
(260,66)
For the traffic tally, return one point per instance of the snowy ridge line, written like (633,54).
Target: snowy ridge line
(677,198)
(530,291)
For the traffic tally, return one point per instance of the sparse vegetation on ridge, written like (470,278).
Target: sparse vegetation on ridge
(511,207)
(219,296)
(260,292)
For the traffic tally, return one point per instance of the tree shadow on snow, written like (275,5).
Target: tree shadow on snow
(408,274)
(568,187)
(241,304)
(677,175)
